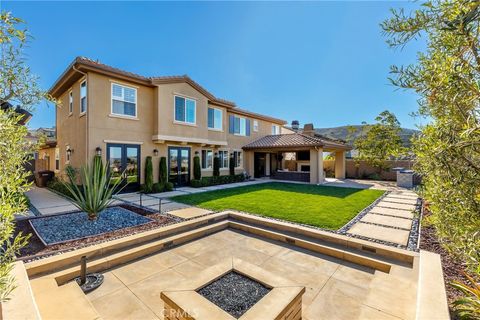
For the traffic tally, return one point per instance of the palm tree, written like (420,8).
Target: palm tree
(96,189)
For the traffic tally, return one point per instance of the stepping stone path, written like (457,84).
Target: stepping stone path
(390,220)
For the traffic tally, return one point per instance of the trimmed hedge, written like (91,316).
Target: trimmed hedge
(197,171)
(148,175)
(212,181)
(58,186)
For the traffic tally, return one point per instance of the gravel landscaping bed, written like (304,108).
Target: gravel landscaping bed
(74,226)
(36,249)
(234,293)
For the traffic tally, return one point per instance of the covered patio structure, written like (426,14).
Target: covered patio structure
(294,157)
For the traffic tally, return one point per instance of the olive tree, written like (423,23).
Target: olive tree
(380,141)
(446,77)
(17,86)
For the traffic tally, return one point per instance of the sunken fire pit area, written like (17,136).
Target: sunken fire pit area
(231,265)
(234,289)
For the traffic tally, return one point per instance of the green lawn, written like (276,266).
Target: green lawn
(320,206)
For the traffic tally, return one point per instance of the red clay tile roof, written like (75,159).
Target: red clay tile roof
(292,140)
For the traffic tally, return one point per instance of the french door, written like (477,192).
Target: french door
(179,166)
(124,164)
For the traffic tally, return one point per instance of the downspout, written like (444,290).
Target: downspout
(86,113)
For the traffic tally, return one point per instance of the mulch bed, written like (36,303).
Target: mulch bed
(36,249)
(453,267)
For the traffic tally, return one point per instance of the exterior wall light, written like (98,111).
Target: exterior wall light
(98,151)
(69,151)
(155,152)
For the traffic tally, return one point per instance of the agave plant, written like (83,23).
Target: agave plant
(468,307)
(96,189)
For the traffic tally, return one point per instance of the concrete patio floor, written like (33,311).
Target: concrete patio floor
(335,289)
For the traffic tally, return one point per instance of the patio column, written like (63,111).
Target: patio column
(340,164)
(267,165)
(321,178)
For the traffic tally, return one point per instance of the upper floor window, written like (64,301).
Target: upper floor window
(223,155)
(70,102)
(185,110)
(124,100)
(215,119)
(255,125)
(207,159)
(239,126)
(83,96)
(275,129)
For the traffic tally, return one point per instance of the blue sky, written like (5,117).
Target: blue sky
(320,62)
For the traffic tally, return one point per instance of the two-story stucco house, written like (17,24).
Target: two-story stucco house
(125,117)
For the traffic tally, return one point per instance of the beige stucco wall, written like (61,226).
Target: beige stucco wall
(71,128)
(153,128)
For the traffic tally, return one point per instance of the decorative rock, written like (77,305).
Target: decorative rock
(234,293)
(72,226)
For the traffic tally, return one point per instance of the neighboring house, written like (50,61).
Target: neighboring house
(125,117)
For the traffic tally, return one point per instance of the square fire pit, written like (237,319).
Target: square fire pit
(234,289)
(234,293)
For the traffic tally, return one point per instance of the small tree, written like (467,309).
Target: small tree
(148,175)
(17,86)
(231,164)
(197,171)
(380,141)
(96,190)
(163,171)
(216,166)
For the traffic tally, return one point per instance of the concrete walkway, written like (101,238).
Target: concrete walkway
(390,220)
(47,202)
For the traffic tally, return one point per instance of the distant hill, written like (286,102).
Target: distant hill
(342,133)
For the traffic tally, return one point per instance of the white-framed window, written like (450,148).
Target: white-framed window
(239,126)
(57,159)
(124,101)
(255,125)
(237,158)
(185,110)
(275,129)
(223,155)
(215,119)
(70,102)
(83,96)
(207,159)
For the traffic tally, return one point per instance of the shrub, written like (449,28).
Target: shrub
(59,187)
(163,171)
(148,175)
(232,165)
(468,307)
(216,166)
(95,192)
(197,171)
(196,183)
(168,186)
(212,181)
(158,187)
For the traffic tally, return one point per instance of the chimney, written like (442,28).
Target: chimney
(295,125)
(308,129)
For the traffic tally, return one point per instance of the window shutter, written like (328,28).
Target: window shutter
(210,118)
(247,129)
(231,125)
